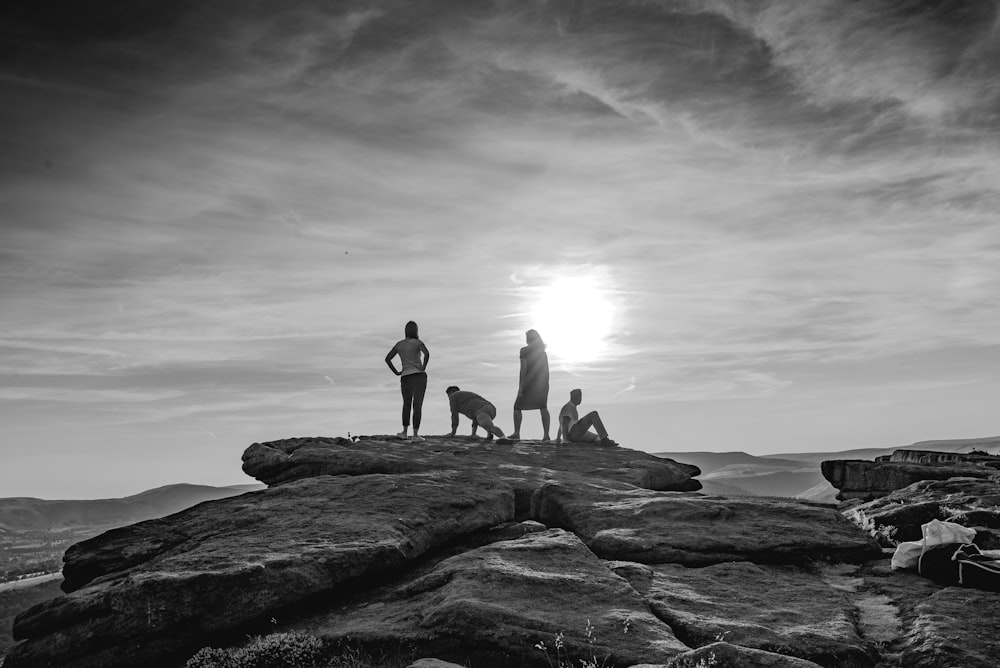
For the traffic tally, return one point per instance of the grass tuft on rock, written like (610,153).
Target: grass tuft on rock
(290,650)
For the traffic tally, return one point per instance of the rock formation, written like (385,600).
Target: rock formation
(524,465)
(484,555)
(864,479)
(972,502)
(951,458)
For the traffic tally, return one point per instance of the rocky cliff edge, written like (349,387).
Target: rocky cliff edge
(481,553)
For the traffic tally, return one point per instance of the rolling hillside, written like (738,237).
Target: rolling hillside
(989,444)
(797,474)
(30,514)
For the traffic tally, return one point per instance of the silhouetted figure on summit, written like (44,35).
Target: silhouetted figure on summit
(574,429)
(412,378)
(533,383)
(474,407)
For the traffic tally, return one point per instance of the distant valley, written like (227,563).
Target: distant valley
(796,474)
(31,514)
(34,533)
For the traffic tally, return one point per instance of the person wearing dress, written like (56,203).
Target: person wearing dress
(533,383)
(412,377)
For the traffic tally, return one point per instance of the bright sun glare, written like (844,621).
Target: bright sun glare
(574,318)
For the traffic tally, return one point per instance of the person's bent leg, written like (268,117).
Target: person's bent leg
(485,421)
(546,423)
(579,433)
(593,419)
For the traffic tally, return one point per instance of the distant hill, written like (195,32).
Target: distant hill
(781,483)
(722,489)
(743,474)
(30,514)
(797,474)
(712,461)
(990,444)
(823,492)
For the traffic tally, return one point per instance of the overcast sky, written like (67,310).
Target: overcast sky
(775,222)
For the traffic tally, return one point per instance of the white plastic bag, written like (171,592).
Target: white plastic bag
(907,554)
(935,532)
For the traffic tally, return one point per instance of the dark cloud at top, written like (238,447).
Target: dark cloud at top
(831,75)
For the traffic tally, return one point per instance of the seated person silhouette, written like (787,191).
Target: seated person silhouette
(574,429)
(474,407)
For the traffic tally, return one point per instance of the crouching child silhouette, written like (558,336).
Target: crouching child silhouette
(474,407)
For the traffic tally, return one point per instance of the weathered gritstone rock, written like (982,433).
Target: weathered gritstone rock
(163,586)
(934,457)
(291,459)
(866,480)
(968,501)
(433,663)
(779,609)
(724,655)
(456,524)
(955,627)
(525,465)
(663,527)
(492,606)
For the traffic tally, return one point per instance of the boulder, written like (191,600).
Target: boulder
(664,527)
(968,501)
(163,586)
(778,609)
(433,663)
(528,602)
(866,480)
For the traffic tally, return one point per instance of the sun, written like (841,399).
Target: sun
(574,318)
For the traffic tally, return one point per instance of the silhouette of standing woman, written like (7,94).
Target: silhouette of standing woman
(533,383)
(412,378)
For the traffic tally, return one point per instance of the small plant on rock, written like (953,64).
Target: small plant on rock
(293,650)
(277,649)
(561,659)
(952,514)
(884,534)
(703,662)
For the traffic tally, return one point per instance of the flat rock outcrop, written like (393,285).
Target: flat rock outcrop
(973,502)
(163,586)
(523,464)
(948,458)
(725,655)
(864,479)
(488,555)
(656,528)
(504,604)
(804,615)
